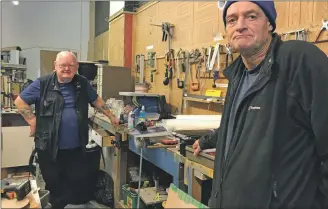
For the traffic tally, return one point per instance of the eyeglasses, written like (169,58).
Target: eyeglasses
(67,66)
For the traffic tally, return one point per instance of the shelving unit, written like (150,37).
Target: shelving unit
(11,74)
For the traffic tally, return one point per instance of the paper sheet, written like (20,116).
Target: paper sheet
(199,117)
(186,123)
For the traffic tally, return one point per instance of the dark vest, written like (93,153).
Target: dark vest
(49,112)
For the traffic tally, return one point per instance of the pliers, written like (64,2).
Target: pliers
(166,31)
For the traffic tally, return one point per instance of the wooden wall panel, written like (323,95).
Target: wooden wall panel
(294,14)
(196,25)
(101,47)
(282,8)
(320,11)
(306,13)
(116,42)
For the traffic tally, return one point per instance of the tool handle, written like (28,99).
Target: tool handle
(163,30)
(171,73)
(183,67)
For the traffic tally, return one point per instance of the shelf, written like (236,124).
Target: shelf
(207,101)
(13,66)
(137,94)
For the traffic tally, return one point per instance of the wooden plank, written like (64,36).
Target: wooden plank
(282,9)
(306,13)
(320,11)
(294,14)
(196,188)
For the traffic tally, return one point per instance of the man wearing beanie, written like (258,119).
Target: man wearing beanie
(272,146)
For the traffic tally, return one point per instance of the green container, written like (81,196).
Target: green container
(130,198)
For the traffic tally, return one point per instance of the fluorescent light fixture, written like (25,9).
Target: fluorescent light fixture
(15,3)
(150,47)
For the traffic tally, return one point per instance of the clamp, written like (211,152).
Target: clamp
(117,143)
(166,31)
(323,27)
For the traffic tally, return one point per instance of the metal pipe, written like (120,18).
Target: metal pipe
(139,183)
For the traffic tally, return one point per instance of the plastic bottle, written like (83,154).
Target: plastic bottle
(131,120)
(142,115)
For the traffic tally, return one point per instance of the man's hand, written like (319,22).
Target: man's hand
(128,109)
(196,147)
(100,105)
(114,120)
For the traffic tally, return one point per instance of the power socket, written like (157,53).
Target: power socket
(23,189)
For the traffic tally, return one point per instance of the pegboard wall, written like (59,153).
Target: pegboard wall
(197,25)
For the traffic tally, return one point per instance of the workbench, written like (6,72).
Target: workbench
(167,159)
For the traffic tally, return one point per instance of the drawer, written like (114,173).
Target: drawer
(102,137)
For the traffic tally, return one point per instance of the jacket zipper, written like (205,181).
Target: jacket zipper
(220,191)
(225,161)
(275,194)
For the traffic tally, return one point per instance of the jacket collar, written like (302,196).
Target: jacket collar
(231,71)
(55,84)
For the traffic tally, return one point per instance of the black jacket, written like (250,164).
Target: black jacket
(209,141)
(279,149)
(49,112)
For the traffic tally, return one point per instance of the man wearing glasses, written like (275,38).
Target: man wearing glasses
(60,128)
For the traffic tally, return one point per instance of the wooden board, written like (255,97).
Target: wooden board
(149,196)
(178,199)
(5,203)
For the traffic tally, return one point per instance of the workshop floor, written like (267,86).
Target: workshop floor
(91,204)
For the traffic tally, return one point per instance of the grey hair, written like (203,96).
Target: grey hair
(63,53)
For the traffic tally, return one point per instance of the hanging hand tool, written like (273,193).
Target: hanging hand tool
(302,35)
(141,68)
(165,31)
(206,55)
(195,55)
(150,59)
(166,80)
(216,74)
(323,28)
(137,66)
(172,65)
(154,66)
(169,63)
(215,57)
(180,59)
